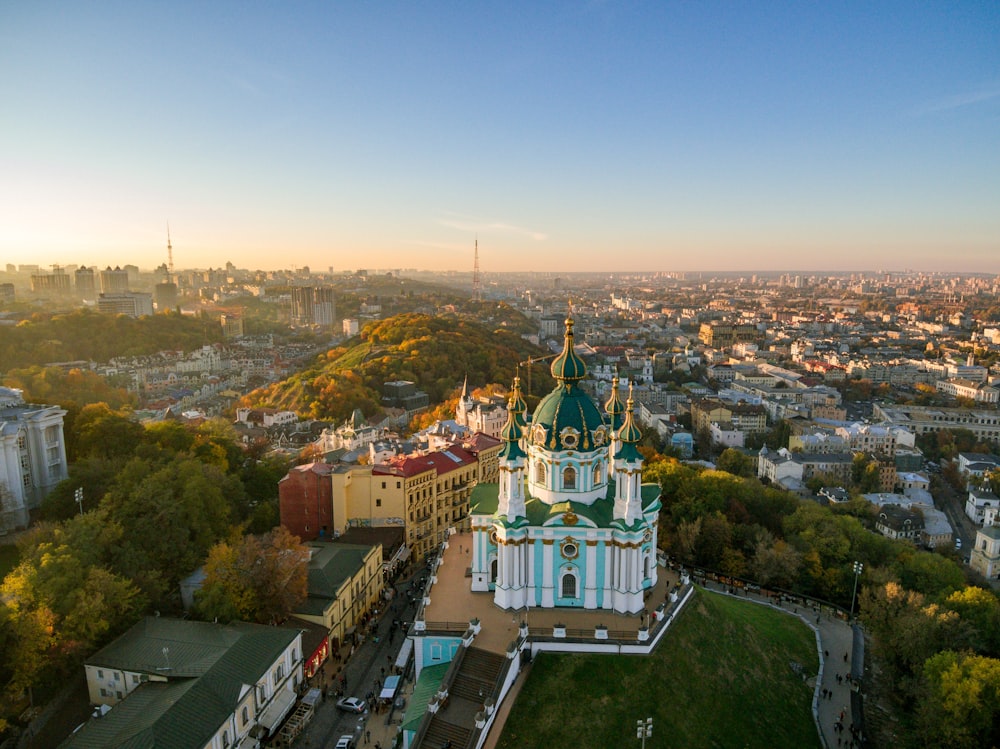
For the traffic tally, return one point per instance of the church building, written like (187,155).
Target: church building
(570,523)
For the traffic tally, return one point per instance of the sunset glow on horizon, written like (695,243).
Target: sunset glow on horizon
(591,136)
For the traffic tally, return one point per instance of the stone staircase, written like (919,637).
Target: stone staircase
(473,683)
(479,672)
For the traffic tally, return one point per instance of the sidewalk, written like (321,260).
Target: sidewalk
(360,672)
(835,643)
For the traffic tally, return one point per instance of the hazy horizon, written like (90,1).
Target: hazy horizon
(592,136)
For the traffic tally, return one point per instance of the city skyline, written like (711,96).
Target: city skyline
(589,136)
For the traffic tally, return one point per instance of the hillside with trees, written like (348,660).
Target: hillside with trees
(157,500)
(434,352)
(86,335)
(933,626)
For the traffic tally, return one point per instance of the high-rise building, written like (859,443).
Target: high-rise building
(313,305)
(114,281)
(165,295)
(86,286)
(56,282)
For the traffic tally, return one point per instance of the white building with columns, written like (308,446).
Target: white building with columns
(570,523)
(32,456)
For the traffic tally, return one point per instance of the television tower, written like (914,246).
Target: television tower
(477,292)
(170,254)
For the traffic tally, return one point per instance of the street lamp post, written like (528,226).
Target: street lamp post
(644,730)
(78,496)
(858,566)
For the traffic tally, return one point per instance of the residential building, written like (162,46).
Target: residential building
(901,523)
(869,438)
(32,456)
(305,499)
(182,684)
(345,584)
(486,415)
(114,282)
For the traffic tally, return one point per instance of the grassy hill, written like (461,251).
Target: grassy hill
(722,677)
(435,352)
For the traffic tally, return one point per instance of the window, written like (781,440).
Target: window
(378,502)
(569,585)
(597,474)
(245,714)
(539,472)
(569,478)
(100,674)
(383,485)
(225,739)
(279,672)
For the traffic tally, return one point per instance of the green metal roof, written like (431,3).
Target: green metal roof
(209,665)
(423,691)
(484,501)
(331,565)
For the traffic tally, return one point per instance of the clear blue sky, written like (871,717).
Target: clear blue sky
(567,135)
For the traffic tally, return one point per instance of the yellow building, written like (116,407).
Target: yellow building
(345,583)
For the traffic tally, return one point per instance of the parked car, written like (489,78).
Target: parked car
(345,742)
(352,704)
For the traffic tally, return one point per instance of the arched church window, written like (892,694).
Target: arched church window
(569,478)
(645,567)
(597,474)
(568,585)
(494,567)
(539,472)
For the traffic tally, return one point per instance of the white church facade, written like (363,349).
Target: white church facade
(570,523)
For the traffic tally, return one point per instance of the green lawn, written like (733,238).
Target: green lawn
(8,559)
(721,677)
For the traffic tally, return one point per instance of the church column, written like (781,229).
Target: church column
(530,554)
(590,591)
(548,592)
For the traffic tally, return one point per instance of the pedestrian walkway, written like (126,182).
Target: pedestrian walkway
(369,662)
(833,687)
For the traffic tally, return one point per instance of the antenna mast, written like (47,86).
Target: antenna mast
(477,292)
(170,254)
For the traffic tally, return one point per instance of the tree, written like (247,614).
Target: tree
(171,516)
(905,630)
(257,578)
(735,462)
(103,433)
(961,708)
(980,610)
(776,564)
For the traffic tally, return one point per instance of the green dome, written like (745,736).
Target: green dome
(568,367)
(629,434)
(567,419)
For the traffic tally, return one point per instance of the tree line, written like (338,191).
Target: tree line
(933,626)
(157,502)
